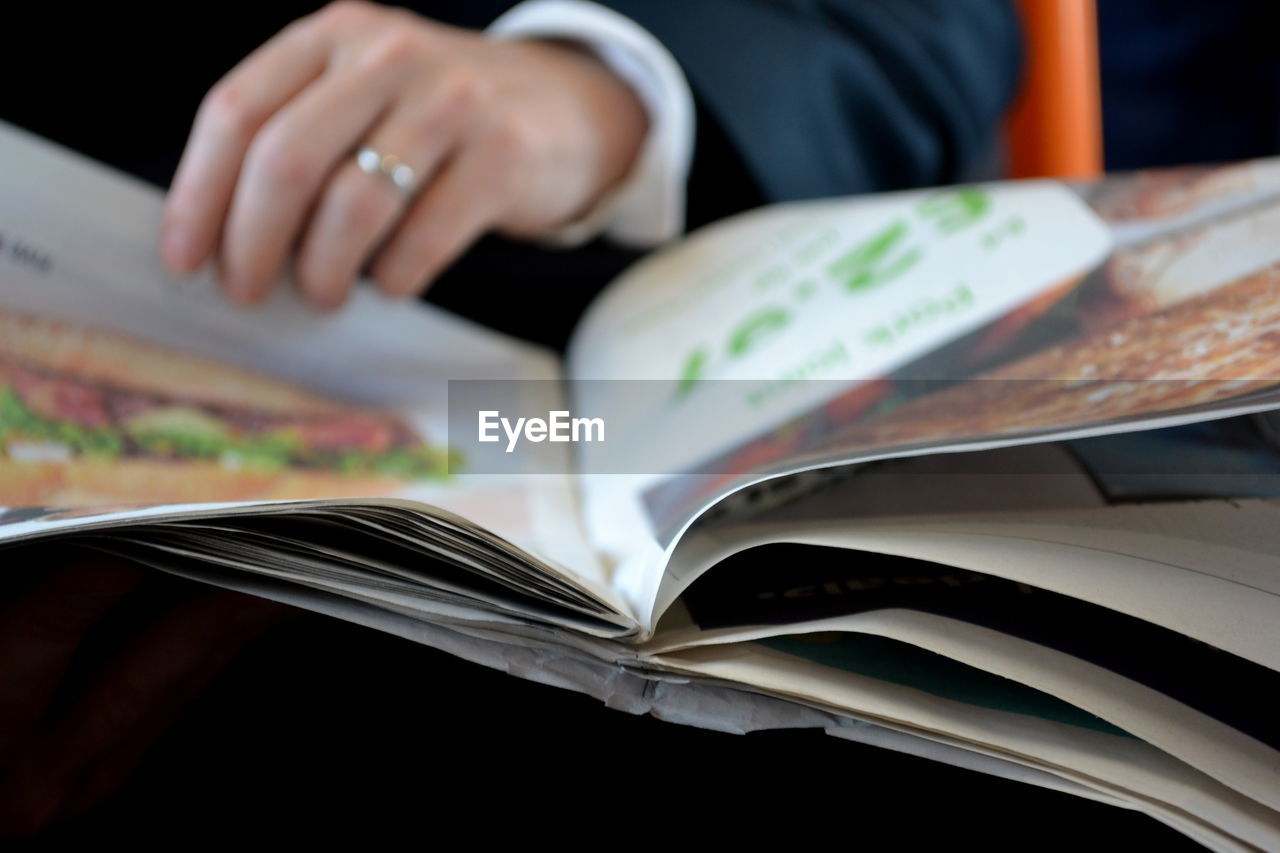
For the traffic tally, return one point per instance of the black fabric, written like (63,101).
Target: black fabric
(827,97)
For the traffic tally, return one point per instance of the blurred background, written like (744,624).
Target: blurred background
(1187,81)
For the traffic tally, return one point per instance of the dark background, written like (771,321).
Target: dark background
(323,727)
(326,728)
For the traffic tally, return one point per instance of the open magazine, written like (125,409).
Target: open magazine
(927,469)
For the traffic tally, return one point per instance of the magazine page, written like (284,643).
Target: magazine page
(1222,735)
(948,753)
(826,333)
(1158,618)
(1035,773)
(1203,569)
(928,745)
(1142,772)
(1020,768)
(1214,482)
(1178,600)
(124,387)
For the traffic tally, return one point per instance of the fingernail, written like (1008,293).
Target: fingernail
(175,247)
(393,286)
(318,292)
(239,290)
(327,301)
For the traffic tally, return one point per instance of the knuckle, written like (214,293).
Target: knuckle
(462,87)
(401,15)
(344,13)
(395,48)
(229,109)
(282,163)
(514,135)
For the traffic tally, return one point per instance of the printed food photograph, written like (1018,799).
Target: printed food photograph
(1169,193)
(1156,328)
(1169,321)
(92,417)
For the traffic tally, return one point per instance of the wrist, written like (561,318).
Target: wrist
(647,207)
(609,118)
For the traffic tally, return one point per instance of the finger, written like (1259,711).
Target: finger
(129,703)
(358,210)
(464,202)
(295,153)
(228,118)
(41,630)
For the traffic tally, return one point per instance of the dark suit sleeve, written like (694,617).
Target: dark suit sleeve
(831,97)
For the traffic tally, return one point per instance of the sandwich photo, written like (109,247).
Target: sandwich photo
(89,416)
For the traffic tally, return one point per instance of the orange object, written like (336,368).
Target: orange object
(1055,126)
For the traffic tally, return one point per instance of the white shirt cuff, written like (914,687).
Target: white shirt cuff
(647,208)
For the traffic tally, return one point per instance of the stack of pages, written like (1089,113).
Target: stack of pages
(980,473)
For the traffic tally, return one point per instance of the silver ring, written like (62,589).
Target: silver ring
(399,173)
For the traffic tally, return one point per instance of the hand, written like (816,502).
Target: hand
(85,690)
(514,136)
